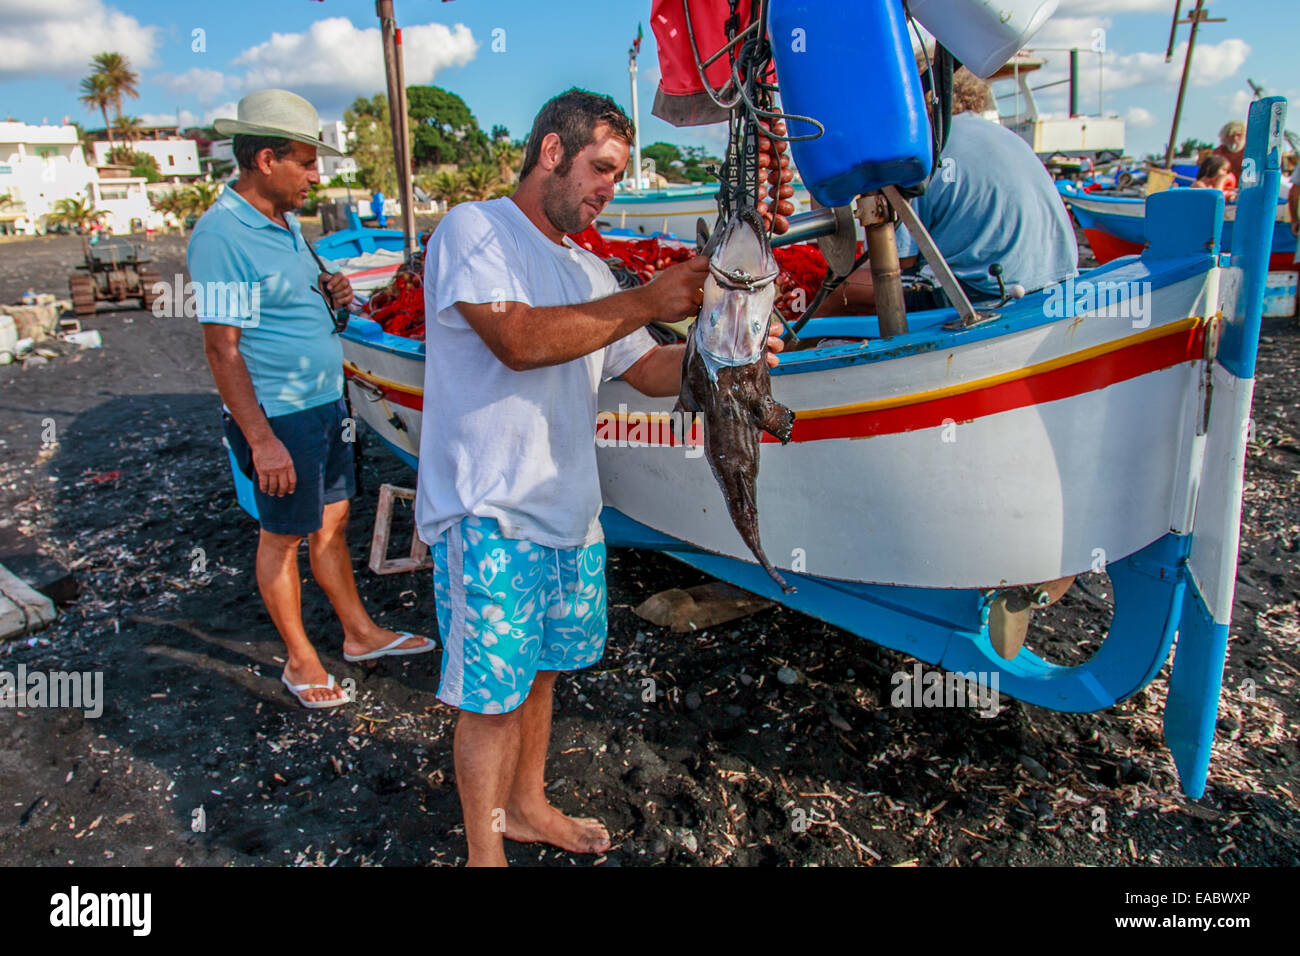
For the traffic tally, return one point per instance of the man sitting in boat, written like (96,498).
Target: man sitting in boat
(521,327)
(1232,145)
(279,369)
(989,201)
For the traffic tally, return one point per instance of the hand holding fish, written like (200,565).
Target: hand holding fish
(774,341)
(678,291)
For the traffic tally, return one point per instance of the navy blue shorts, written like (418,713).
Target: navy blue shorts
(322,460)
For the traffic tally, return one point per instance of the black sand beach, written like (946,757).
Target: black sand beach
(726,769)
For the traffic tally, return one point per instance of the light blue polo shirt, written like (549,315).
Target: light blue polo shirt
(991,200)
(254,273)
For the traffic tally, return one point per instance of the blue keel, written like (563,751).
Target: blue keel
(1192,707)
(949,627)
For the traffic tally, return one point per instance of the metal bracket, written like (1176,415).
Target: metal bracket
(966,314)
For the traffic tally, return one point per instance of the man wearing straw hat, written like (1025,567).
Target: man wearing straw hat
(278,365)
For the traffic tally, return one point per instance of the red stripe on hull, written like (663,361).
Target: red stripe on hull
(1065,382)
(1106,247)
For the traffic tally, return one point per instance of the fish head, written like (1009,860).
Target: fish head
(739,292)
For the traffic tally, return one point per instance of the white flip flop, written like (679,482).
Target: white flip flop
(297,689)
(392,650)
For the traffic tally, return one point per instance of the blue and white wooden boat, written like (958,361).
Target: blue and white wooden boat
(672,211)
(931,470)
(1115,225)
(357,240)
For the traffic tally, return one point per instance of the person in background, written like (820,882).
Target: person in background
(377,209)
(278,367)
(1292,204)
(1216,173)
(1232,145)
(989,201)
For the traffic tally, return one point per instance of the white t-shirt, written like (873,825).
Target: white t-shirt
(515,446)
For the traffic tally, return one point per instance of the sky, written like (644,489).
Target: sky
(506,57)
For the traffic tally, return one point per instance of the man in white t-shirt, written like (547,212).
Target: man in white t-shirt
(522,326)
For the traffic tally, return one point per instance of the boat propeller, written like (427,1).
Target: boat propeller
(1012,608)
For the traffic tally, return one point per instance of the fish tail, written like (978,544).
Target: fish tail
(744,515)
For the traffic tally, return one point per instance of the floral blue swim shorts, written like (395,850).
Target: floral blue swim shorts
(508,608)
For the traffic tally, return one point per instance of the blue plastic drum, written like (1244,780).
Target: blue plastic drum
(850,66)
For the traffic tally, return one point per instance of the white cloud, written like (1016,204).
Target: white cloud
(1237,105)
(1212,63)
(334,61)
(189,118)
(1139,117)
(201,84)
(44,37)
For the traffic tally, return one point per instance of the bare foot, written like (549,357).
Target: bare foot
(363,642)
(545,824)
(313,672)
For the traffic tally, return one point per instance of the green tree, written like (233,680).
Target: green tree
(507,158)
(447,186)
(373,148)
(96,95)
(443,129)
(480,182)
(664,155)
(75,213)
(142,164)
(499,133)
(1190,147)
(119,78)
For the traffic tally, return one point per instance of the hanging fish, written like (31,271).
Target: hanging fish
(725,376)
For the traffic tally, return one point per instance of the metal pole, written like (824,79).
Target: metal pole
(1074,82)
(1182,86)
(877,217)
(397,116)
(407,186)
(636,127)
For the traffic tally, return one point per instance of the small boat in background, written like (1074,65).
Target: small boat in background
(673,211)
(1116,225)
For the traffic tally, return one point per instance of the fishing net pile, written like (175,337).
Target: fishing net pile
(399,306)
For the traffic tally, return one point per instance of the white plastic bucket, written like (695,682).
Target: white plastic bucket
(1280,294)
(8,339)
(983,34)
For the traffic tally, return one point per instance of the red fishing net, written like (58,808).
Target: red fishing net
(399,306)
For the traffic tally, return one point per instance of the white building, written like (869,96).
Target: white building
(127,203)
(333,134)
(176,156)
(39,165)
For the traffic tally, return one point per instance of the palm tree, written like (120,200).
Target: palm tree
(120,78)
(201,196)
(75,213)
(506,155)
(480,181)
(446,186)
(128,130)
(96,95)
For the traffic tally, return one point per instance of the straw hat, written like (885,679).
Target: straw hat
(276,113)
